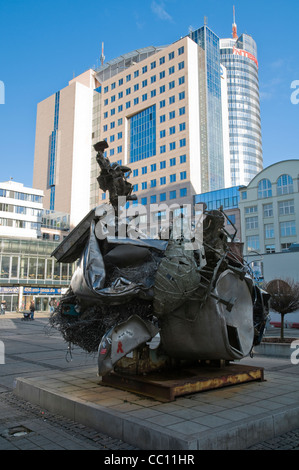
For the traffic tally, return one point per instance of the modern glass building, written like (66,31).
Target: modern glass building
(239,56)
(211,119)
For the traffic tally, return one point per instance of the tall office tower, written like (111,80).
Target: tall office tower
(160,111)
(211,132)
(163,112)
(63,147)
(239,56)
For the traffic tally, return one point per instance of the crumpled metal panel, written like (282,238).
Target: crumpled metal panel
(121,340)
(88,281)
(212,332)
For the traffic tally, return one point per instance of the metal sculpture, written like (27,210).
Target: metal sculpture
(144,304)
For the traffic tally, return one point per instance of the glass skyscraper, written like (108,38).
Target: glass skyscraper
(211,139)
(239,56)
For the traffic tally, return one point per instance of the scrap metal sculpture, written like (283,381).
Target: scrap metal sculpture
(145,304)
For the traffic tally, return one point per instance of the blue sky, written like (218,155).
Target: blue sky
(44,43)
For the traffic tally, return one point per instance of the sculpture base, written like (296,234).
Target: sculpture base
(169,384)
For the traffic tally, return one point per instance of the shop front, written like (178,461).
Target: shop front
(10,295)
(43,297)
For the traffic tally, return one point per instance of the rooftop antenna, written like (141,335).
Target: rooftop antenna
(235,34)
(205,20)
(102,58)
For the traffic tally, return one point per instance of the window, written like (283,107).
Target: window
(288,229)
(144,170)
(153,65)
(128,104)
(268,210)
(112,86)
(144,185)
(172,178)
(162,165)
(182,126)
(253,243)
(231,219)
(251,223)
(244,195)
(183,192)
(162,89)
(172,115)
(112,99)
(153,167)
(135,173)
(136,73)
(144,201)
(171,55)
(153,93)
(172,194)
(162,74)
(128,78)
(135,187)
(120,108)
(172,130)
(182,111)
(286,207)
(153,79)
(162,104)
(163,197)
(181,80)
(183,159)
(264,189)
(120,95)
(128,91)
(172,161)
(270,248)
(144,97)
(144,83)
(153,183)
(171,70)
(121,81)
(181,50)
(284,185)
(136,101)
(181,95)
(171,85)
(250,210)
(183,175)
(136,87)
(172,146)
(162,118)
(182,142)
(172,100)
(181,65)
(269,230)
(153,199)
(162,134)
(144,69)
(162,180)
(162,60)
(162,148)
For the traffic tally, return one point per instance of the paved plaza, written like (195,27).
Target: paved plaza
(52,398)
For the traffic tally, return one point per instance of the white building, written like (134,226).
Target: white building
(269,208)
(20,210)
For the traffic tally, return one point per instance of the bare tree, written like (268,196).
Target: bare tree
(284,298)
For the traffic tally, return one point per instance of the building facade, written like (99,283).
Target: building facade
(63,147)
(269,208)
(239,56)
(20,210)
(228,200)
(160,110)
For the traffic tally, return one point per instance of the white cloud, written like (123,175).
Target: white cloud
(159,10)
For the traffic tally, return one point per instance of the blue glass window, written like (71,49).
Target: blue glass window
(143,134)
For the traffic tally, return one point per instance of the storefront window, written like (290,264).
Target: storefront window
(49,269)
(32,268)
(14,267)
(5,267)
(24,268)
(56,275)
(41,268)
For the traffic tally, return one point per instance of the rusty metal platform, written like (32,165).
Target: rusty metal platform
(167,385)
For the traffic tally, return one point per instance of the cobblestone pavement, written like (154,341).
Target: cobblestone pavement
(24,426)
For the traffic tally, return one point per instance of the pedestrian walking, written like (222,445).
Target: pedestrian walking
(3,307)
(32,310)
